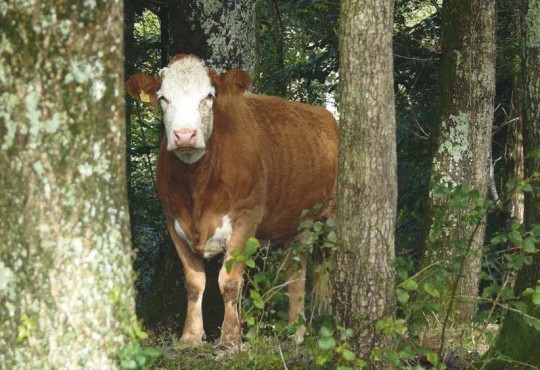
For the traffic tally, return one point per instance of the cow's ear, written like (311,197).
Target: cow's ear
(144,88)
(235,81)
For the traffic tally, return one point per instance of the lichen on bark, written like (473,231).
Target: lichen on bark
(464,136)
(66,252)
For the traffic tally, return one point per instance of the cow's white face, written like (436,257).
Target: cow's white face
(186,97)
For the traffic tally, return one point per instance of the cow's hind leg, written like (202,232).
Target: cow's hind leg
(195,281)
(230,285)
(230,282)
(296,287)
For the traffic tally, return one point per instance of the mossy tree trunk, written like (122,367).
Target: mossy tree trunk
(221,32)
(467,80)
(364,290)
(518,340)
(66,281)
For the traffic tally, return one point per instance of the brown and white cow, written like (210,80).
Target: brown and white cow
(233,165)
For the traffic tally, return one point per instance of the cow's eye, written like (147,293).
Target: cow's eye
(211,96)
(163,99)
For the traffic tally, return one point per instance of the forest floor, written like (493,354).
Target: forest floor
(271,353)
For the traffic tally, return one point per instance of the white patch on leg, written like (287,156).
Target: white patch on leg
(180,232)
(218,242)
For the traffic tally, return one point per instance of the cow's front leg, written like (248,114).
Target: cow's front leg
(195,281)
(230,284)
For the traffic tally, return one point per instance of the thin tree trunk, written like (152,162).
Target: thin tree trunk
(367,180)
(467,78)
(66,284)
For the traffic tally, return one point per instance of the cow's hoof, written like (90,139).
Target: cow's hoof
(191,340)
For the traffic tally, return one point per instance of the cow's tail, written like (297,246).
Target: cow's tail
(321,294)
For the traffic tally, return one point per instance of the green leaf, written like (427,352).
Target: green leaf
(330,222)
(536,299)
(348,355)
(260,277)
(525,186)
(536,230)
(128,364)
(304,213)
(251,247)
(528,245)
(326,343)
(325,331)
(409,285)
(250,263)
(250,320)
(515,237)
(331,237)
(228,265)
(259,303)
(431,290)
(497,240)
(433,358)
(137,329)
(402,296)
(535,153)
(306,224)
(252,333)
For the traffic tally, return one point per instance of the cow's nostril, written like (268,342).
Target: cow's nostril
(185,136)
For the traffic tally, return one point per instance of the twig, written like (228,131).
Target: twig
(282,358)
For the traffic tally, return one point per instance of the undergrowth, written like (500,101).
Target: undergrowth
(425,331)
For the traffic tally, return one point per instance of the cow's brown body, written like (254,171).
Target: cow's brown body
(265,161)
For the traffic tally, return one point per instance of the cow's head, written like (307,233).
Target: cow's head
(188,92)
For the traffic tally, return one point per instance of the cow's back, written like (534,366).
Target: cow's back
(300,145)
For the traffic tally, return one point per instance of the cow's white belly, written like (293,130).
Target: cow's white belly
(216,244)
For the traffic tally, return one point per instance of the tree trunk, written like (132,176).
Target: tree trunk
(222,33)
(66,296)
(518,340)
(367,183)
(467,78)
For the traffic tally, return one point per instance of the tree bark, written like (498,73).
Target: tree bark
(367,181)
(222,33)
(467,78)
(66,284)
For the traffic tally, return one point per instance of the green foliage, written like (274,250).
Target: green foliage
(298,49)
(134,356)
(334,349)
